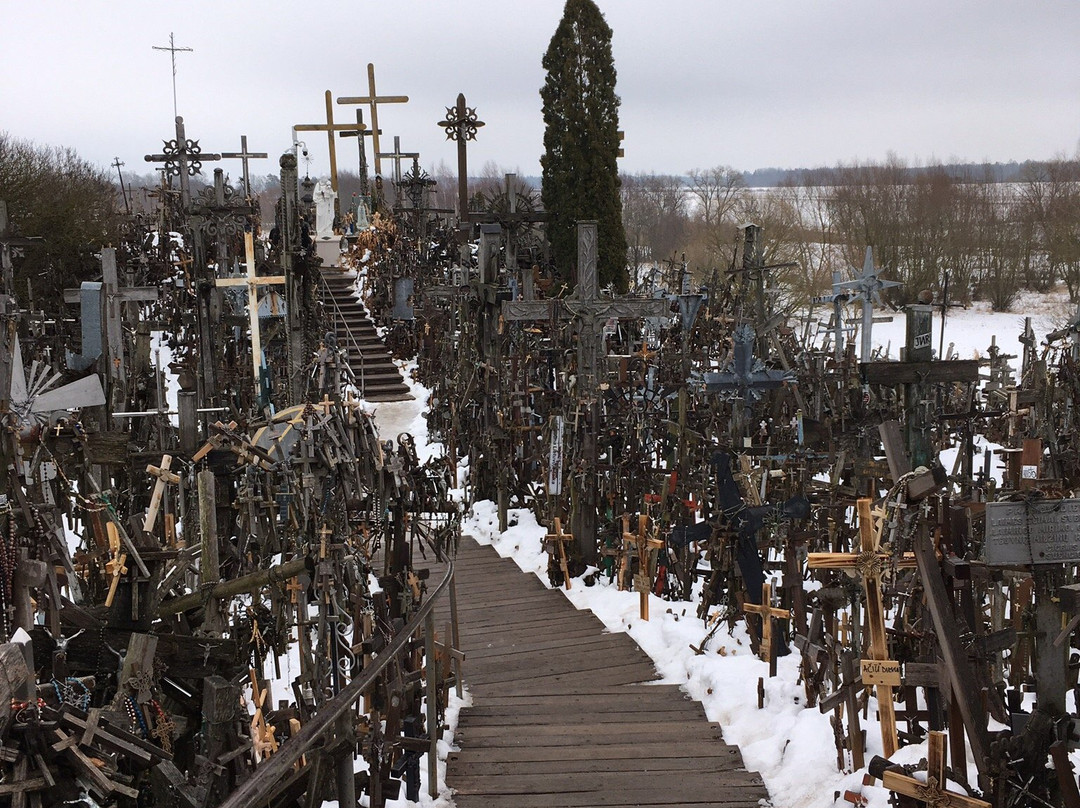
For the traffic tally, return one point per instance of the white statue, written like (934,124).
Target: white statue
(324,209)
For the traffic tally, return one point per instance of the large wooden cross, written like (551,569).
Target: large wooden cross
(253,282)
(461,124)
(372,100)
(331,129)
(164,476)
(870,563)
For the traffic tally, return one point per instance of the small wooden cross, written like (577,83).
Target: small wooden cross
(932,793)
(647,548)
(213,442)
(115,567)
(768,614)
(164,476)
(556,543)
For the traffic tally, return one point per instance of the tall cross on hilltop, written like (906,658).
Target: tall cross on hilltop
(173,50)
(372,100)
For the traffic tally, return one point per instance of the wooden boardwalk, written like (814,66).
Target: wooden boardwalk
(561,713)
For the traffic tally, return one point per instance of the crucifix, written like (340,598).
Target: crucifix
(372,100)
(461,124)
(173,50)
(330,128)
(871,564)
(184,158)
(244,155)
(253,282)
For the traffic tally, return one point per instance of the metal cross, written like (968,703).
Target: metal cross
(461,124)
(184,158)
(867,286)
(244,155)
(173,50)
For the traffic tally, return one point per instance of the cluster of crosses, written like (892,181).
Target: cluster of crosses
(694,441)
(195,506)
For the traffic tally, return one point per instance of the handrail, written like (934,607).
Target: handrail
(339,315)
(280,764)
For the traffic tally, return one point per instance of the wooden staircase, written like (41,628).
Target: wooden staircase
(377,376)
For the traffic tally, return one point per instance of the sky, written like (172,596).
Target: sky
(786,83)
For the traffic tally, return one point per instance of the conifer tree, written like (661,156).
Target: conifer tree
(581,142)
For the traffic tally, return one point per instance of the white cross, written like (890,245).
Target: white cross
(253,282)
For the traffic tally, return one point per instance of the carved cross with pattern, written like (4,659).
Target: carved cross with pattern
(184,158)
(870,563)
(587,308)
(372,100)
(253,282)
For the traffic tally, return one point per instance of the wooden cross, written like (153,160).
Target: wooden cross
(647,547)
(372,100)
(263,743)
(244,155)
(933,792)
(871,564)
(163,476)
(768,614)
(330,128)
(461,124)
(253,282)
(556,543)
(116,566)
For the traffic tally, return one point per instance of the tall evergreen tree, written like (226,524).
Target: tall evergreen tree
(581,142)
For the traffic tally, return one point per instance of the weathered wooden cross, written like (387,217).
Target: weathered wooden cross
(933,793)
(461,124)
(331,129)
(769,614)
(646,548)
(372,100)
(163,476)
(870,563)
(556,542)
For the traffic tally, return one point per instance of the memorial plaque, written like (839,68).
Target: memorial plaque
(880,672)
(1038,532)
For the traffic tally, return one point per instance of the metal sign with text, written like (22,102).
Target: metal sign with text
(1034,532)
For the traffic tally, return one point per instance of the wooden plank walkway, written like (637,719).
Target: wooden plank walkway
(561,715)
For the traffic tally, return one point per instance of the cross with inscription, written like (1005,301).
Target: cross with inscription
(871,563)
(244,156)
(182,157)
(372,100)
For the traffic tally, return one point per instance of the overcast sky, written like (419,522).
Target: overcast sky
(787,83)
